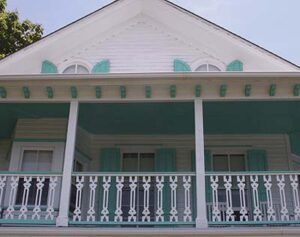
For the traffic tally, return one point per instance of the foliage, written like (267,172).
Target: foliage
(15,34)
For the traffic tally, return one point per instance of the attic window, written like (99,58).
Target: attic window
(208,68)
(76,69)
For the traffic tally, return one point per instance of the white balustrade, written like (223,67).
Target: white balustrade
(29,197)
(255,197)
(132,198)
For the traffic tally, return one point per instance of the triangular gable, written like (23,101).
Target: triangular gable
(201,42)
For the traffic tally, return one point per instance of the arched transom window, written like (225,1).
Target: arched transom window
(208,68)
(76,69)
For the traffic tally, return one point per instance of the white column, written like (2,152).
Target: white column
(201,220)
(62,219)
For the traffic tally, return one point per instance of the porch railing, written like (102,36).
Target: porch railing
(132,198)
(253,198)
(29,198)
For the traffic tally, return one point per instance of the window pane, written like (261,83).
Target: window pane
(70,69)
(29,162)
(220,162)
(130,162)
(237,163)
(44,160)
(202,68)
(213,68)
(82,70)
(147,162)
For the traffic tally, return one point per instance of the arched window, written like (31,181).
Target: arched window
(76,69)
(208,68)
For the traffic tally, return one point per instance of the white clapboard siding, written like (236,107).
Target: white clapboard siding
(48,128)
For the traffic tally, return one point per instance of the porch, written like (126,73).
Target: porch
(135,165)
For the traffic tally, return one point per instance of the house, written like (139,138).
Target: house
(145,119)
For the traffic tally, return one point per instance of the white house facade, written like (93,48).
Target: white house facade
(145,119)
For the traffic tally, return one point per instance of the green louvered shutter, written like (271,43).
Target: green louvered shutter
(235,66)
(101,67)
(181,66)
(165,161)
(48,67)
(110,161)
(257,161)
(295,142)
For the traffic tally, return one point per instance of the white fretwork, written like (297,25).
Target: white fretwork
(159,186)
(295,186)
(241,185)
(93,185)
(132,211)
(257,214)
(79,185)
(173,184)
(187,198)
(51,198)
(228,185)
(216,214)
(2,186)
(284,211)
(146,187)
(38,198)
(268,185)
(106,186)
(119,185)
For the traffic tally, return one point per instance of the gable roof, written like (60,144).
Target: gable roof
(141,8)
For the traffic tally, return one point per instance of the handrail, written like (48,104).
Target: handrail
(30,173)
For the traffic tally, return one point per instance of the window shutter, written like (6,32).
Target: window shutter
(235,66)
(181,66)
(110,161)
(295,143)
(48,67)
(257,161)
(101,67)
(165,161)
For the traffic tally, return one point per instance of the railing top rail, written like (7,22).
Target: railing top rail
(248,173)
(133,174)
(29,173)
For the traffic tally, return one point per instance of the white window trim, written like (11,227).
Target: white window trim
(81,62)
(199,62)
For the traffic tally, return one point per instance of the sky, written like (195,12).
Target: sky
(272,24)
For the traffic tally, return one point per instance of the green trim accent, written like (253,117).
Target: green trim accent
(129,223)
(48,67)
(223,90)
(253,172)
(198,90)
(98,91)
(50,92)
(74,92)
(272,90)
(235,66)
(123,92)
(148,92)
(173,91)
(38,140)
(26,92)
(102,67)
(3,93)
(296,90)
(118,173)
(248,90)
(181,66)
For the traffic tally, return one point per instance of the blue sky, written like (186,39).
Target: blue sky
(273,24)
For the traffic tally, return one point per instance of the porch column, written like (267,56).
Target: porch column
(62,219)
(201,220)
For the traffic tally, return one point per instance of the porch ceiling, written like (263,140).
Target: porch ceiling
(9,113)
(178,118)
